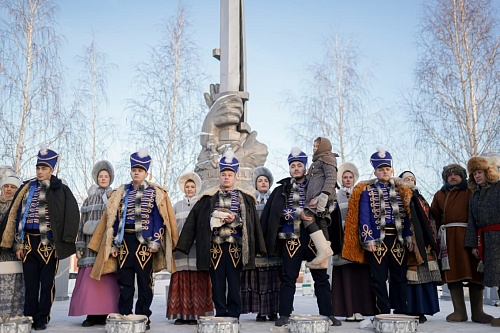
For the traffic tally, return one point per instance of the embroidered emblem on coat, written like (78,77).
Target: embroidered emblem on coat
(311,246)
(122,253)
(380,251)
(143,255)
(292,245)
(235,253)
(45,251)
(27,247)
(215,255)
(398,251)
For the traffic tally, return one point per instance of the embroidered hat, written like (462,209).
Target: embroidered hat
(47,157)
(103,165)
(229,162)
(297,155)
(140,159)
(381,158)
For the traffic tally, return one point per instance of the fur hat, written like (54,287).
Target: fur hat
(453,168)
(297,155)
(103,165)
(193,176)
(482,163)
(262,171)
(347,167)
(9,177)
(140,159)
(408,173)
(47,157)
(229,162)
(381,158)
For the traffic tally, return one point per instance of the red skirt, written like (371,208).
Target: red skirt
(189,295)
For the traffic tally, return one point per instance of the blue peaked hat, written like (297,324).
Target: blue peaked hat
(297,155)
(47,157)
(381,158)
(140,159)
(229,162)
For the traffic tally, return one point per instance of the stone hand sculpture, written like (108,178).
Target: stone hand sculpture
(220,132)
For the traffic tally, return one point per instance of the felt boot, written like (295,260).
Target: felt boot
(495,322)
(323,250)
(457,298)
(476,304)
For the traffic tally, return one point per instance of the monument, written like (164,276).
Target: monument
(225,126)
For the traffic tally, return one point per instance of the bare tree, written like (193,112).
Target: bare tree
(30,79)
(332,103)
(455,102)
(90,134)
(167,115)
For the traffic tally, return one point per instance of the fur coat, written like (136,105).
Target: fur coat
(102,240)
(352,249)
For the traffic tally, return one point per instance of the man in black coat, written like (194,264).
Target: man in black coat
(287,237)
(225,224)
(42,225)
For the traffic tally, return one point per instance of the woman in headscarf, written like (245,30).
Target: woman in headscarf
(422,279)
(190,293)
(351,293)
(11,269)
(94,298)
(260,286)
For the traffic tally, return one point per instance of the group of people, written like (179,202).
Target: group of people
(236,251)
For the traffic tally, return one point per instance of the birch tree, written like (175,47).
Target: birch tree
(91,131)
(332,103)
(455,102)
(30,80)
(167,114)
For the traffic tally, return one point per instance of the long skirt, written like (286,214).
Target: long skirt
(93,297)
(423,299)
(260,288)
(189,295)
(11,288)
(351,291)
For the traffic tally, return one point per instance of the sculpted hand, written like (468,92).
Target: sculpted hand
(210,97)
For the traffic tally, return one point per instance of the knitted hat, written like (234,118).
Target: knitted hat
(408,173)
(229,162)
(482,163)
(381,158)
(190,176)
(47,157)
(140,159)
(262,171)
(6,168)
(347,167)
(453,168)
(297,155)
(103,165)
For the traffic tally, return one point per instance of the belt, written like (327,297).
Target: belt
(480,232)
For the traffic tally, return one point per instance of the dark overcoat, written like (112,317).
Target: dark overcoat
(63,213)
(197,228)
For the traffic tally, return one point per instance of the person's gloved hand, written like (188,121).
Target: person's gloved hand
(322,202)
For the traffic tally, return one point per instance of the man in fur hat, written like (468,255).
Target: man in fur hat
(483,229)
(139,229)
(378,215)
(42,226)
(225,225)
(450,208)
(286,236)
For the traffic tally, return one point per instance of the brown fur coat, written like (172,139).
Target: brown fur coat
(102,239)
(352,249)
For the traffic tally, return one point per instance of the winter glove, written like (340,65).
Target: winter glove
(322,202)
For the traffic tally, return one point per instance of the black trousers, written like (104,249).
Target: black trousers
(134,259)
(40,267)
(294,252)
(225,270)
(389,261)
